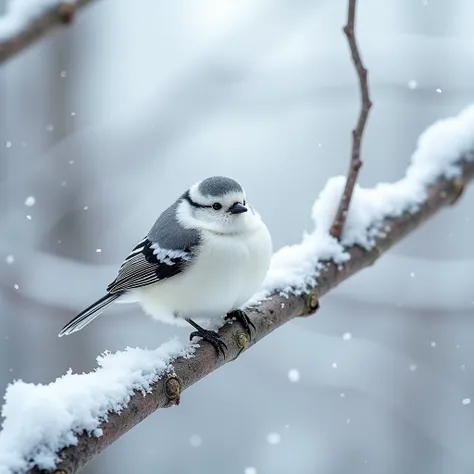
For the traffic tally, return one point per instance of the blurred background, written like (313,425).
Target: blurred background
(104,124)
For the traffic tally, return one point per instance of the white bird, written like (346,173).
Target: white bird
(204,257)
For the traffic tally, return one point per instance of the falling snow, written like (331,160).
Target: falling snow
(347,336)
(30,201)
(195,441)
(10,259)
(273,438)
(466,401)
(412,84)
(293,375)
(250,470)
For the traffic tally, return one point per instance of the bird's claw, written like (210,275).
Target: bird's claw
(243,319)
(211,337)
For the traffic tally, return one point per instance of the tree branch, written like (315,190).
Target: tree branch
(355,163)
(277,310)
(62,13)
(270,315)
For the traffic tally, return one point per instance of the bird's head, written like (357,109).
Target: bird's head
(217,204)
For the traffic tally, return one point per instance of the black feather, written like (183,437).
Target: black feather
(147,266)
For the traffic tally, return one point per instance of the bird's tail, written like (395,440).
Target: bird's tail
(88,315)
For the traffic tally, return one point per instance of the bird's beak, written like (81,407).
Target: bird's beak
(237,208)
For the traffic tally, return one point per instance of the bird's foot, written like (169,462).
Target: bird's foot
(243,319)
(210,336)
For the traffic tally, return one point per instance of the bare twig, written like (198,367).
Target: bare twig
(60,14)
(267,317)
(366,104)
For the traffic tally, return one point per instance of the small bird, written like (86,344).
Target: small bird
(204,257)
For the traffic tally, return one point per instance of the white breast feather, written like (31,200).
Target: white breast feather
(227,272)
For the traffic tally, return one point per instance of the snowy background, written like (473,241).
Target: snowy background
(103,125)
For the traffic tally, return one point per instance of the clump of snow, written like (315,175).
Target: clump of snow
(39,420)
(20,13)
(439,152)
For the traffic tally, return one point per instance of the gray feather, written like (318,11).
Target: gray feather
(88,315)
(168,233)
(164,253)
(218,186)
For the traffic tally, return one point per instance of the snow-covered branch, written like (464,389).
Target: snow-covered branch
(26,21)
(61,426)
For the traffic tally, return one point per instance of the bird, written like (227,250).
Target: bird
(205,256)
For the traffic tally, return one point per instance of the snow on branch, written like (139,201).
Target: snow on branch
(26,21)
(61,426)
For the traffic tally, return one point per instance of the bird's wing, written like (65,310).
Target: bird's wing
(149,263)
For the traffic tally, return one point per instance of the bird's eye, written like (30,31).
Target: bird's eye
(216,206)
(244,202)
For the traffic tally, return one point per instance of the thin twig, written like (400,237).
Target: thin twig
(366,104)
(267,317)
(52,17)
